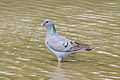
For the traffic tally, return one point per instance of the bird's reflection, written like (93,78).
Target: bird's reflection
(59,73)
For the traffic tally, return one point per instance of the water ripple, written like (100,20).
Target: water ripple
(6,73)
(108,53)
(93,22)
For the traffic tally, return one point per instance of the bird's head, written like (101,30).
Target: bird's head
(47,23)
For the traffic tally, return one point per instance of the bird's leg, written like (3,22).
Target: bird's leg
(60,59)
(58,65)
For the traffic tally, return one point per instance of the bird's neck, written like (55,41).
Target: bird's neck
(52,29)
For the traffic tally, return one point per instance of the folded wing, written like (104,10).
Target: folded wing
(65,45)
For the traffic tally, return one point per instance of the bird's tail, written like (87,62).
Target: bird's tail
(88,48)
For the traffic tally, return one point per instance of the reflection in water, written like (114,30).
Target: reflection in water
(58,73)
(61,73)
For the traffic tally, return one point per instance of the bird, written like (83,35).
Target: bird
(59,45)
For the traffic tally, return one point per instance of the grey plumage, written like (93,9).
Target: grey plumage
(60,46)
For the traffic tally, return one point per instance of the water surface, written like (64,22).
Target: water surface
(93,22)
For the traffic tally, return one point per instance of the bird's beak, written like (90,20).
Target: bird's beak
(43,24)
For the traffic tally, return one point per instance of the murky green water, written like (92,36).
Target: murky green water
(93,22)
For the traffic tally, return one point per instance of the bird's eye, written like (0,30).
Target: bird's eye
(47,22)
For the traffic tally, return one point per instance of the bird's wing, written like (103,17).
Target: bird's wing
(62,44)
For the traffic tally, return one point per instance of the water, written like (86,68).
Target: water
(93,22)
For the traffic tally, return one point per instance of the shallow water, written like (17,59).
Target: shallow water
(93,22)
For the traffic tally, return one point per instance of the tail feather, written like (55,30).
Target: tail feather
(79,47)
(89,49)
